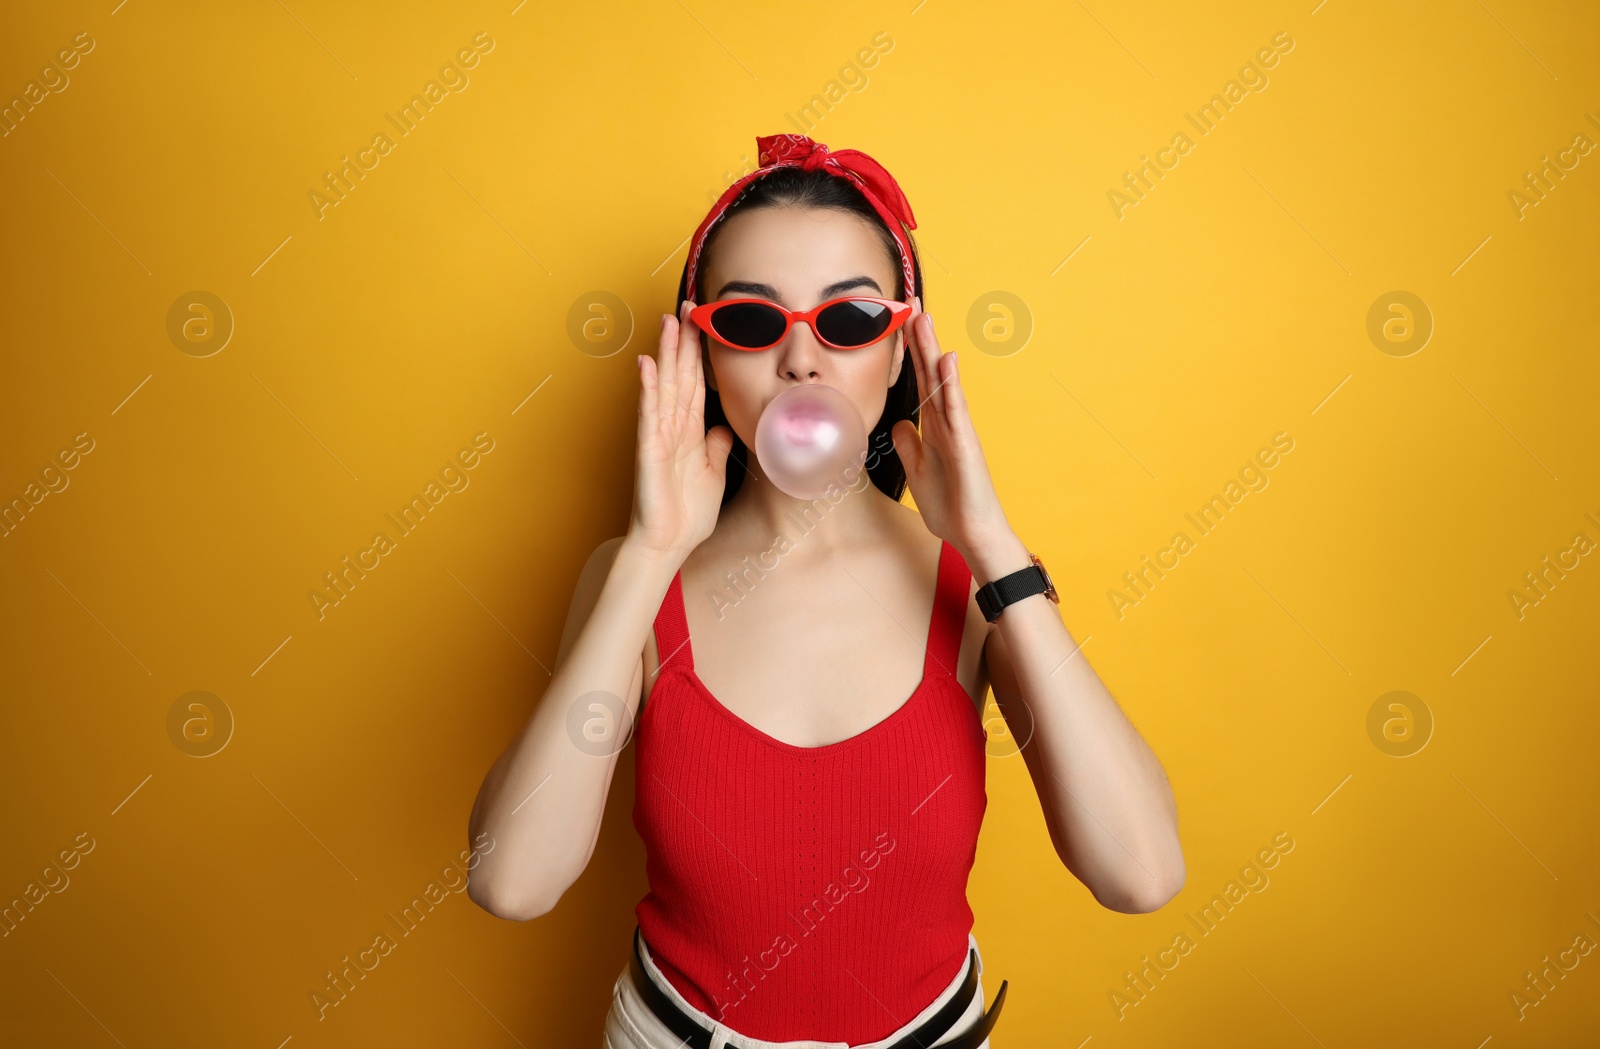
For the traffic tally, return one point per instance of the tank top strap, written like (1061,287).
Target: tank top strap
(949,612)
(672,627)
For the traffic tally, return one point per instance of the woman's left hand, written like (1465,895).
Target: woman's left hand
(945,468)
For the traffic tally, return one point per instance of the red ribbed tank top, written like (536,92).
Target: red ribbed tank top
(810,892)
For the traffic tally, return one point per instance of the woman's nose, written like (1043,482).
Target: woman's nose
(800,353)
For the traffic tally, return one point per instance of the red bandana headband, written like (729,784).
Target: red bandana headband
(875,183)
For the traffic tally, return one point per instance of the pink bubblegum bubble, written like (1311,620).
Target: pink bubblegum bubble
(809,437)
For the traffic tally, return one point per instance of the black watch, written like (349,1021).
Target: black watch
(1007,590)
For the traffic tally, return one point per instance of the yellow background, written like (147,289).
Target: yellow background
(372,343)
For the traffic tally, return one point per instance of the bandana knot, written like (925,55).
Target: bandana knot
(874,181)
(772,150)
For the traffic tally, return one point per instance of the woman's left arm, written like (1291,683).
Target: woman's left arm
(1106,799)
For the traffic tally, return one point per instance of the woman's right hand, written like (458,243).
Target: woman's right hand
(681,469)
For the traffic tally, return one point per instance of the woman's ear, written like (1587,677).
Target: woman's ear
(905,339)
(916,311)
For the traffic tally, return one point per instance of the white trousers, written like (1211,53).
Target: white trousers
(631,1025)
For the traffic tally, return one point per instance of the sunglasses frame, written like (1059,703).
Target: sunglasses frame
(900,312)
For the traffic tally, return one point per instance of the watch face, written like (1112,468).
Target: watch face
(1049,584)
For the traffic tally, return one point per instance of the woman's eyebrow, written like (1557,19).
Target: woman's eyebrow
(767,291)
(845,285)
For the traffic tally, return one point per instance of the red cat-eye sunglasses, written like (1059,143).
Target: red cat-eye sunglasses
(847,323)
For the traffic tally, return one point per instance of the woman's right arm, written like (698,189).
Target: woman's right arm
(543,800)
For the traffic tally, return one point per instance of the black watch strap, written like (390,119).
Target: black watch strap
(993,597)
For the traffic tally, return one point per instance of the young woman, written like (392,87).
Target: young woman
(810,752)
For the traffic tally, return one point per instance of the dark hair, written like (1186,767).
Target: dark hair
(790,186)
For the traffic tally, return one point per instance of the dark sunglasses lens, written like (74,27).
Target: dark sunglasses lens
(751,324)
(854,323)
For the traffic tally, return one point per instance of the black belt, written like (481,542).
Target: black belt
(696,1037)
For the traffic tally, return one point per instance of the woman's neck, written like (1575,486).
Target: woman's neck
(843,517)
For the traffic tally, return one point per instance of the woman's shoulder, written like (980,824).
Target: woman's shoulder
(607,549)
(586,594)
(924,547)
(914,538)
(586,591)
(598,566)
(973,632)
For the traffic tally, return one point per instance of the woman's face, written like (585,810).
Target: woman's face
(799,257)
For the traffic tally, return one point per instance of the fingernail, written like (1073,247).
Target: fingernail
(663,322)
